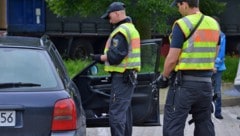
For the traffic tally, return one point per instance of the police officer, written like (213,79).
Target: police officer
(217,76)
(122,60)
(193,45)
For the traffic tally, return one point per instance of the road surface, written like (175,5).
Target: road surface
(229,126)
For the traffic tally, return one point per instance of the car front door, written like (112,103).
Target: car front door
(95,89)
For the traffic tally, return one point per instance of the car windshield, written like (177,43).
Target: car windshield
(25,68)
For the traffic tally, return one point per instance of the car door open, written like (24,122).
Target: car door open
(95,89)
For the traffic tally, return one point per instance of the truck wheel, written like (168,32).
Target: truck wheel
(81,49)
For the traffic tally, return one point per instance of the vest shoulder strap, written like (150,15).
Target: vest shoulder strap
(194,29)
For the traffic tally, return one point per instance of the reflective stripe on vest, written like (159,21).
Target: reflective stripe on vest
(133,59)
(199,51)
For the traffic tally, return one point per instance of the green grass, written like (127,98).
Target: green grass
(232,66)
(75,66)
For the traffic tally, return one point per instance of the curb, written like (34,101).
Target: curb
(226,100)
(230,102)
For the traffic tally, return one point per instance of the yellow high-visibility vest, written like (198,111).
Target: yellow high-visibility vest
(133,59)
(199,51)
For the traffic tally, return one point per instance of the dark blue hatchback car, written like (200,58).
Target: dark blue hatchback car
(38,98)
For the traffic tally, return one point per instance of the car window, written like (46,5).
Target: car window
(58,63)
(149,56)
(26,66)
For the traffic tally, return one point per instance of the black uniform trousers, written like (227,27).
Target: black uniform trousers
(192,97)
(120,113)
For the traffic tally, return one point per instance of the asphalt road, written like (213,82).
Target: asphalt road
(229,126)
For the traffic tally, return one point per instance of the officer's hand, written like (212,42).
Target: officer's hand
(214,70)
(162,82)
(215,96)
(96,57)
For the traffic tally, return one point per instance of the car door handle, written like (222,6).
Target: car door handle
(105,80)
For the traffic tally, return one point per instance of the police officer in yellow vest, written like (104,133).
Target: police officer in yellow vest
(192,59)
(122,60)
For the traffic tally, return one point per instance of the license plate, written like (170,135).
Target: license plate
(7,118)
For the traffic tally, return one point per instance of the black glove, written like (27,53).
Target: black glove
(96,57)
(162,82)
(215,96)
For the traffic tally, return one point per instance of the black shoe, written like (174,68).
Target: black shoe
(219,116)
(238,117)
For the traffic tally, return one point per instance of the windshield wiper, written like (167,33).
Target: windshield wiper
(18,84)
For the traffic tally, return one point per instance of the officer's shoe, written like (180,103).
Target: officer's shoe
(238,117)
(219,116)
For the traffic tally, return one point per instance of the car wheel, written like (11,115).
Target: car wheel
(81,49)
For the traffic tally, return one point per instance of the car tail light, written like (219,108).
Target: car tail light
(64,115)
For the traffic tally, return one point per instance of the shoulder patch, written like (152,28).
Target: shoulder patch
(115,42)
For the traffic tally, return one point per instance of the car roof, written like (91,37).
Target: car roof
(27,42)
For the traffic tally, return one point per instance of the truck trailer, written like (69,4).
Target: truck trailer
(230,25)
(74,37)
(77,37)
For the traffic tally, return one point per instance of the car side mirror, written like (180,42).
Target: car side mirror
(93,70)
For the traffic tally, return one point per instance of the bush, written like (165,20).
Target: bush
(232,66)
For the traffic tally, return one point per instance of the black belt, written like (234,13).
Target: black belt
(194,78)
(121,74)
(117,74)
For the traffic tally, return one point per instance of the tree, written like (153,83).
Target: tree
(148,15)
(144,13)
(206,7)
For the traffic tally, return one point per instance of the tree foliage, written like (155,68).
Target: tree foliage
(212,7)
(148,15)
